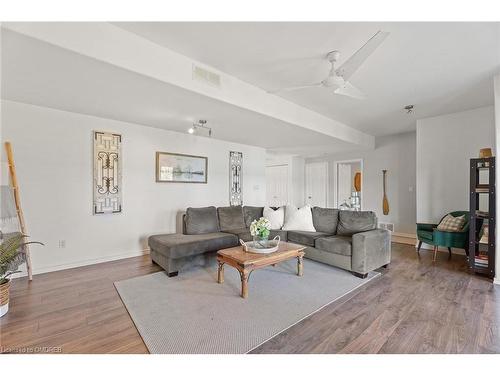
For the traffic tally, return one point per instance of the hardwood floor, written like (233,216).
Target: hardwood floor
(416,306)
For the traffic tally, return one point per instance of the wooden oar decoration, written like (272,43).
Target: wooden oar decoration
(385,201)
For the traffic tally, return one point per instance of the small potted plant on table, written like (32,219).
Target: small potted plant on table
(260,230)
(11,257)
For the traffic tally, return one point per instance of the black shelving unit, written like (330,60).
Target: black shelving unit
(482,249)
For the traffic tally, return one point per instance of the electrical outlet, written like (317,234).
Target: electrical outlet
(62,244)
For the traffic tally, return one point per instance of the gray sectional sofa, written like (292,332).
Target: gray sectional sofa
(345,239)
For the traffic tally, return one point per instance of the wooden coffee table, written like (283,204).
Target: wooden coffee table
(246,262)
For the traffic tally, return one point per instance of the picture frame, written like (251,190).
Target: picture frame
(181,168)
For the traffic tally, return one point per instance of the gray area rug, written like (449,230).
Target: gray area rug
(192,313)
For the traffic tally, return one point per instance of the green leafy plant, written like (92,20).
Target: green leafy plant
(260,228)
(12,255)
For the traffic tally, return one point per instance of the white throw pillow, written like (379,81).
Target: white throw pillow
(299,219)
(290,210)
(276,218)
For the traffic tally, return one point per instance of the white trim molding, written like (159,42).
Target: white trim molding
(404,238)
(87,262)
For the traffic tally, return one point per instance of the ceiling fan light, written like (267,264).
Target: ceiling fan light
(334,81)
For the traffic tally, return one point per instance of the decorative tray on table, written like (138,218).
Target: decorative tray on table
(261,247)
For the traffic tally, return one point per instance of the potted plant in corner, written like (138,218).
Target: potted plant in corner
(11,257)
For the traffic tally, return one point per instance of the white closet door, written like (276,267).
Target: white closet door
(277,185)
(317,184)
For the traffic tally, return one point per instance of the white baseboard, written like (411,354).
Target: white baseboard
(496,280)
(411,239)
(404,238)
(86,262)
(407,235)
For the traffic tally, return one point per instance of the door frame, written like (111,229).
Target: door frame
(327,181)
(335,180)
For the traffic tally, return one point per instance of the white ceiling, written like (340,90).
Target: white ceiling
(39,73)
(438,67)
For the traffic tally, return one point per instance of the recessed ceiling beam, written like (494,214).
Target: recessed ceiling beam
(116,46)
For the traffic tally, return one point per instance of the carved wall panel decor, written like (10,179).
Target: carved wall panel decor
(107,173)
(235,178)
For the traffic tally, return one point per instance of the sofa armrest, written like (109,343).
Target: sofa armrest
(370,250)
(425,226)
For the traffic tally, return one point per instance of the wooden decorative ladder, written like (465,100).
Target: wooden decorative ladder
(17,199)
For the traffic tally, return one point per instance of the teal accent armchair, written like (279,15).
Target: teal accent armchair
(429,234)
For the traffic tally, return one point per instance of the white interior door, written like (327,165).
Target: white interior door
(277,185)
(317,184)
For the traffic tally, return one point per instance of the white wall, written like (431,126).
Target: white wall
(444,146)
(53,152)
(395,153)
(296,175)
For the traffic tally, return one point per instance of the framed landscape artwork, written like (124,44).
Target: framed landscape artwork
(172,167)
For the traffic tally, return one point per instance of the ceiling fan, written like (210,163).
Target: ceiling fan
(338,78)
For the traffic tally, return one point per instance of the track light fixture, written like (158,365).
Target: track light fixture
(202,124)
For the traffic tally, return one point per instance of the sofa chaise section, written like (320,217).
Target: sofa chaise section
(172,251)
(201,235)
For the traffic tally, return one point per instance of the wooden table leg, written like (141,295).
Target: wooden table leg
(300,266)
(220,273)
(244,283)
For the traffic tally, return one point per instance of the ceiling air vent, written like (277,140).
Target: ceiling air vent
(206,76)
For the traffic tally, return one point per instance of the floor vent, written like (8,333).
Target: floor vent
(388,226)
(202,75)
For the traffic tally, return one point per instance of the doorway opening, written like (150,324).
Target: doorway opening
(348,184)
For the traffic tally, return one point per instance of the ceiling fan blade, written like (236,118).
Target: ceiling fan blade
(295,88)
(351,91)
(355,61)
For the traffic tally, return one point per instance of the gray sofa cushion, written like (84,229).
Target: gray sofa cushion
(201,220)
(178,245)
(351,222)
(325,219)
(252,213)
(230,217)
(305,238)
(336,244)
(242,233)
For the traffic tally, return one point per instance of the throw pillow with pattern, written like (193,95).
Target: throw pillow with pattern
(451,224)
